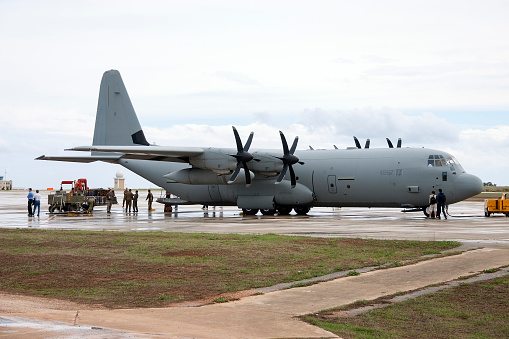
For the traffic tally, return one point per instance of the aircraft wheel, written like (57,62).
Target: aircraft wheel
(302,210)
(284,210)
(425,210)
(268,211)
(249,211)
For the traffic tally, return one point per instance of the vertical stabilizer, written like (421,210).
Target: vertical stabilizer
(116,123)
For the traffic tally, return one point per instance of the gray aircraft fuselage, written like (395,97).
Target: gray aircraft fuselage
(392,177)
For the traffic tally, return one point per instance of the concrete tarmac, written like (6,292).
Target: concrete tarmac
(272,314)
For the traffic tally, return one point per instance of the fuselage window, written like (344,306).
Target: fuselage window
(444,176)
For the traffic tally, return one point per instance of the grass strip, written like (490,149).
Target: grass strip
(155,269)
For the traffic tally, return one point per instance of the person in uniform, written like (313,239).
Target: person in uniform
(135,201)
(124,198)
(150,198)
(90,203)
(109,200)
(128,200)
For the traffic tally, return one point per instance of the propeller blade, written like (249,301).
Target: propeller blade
(292,177)
(237,139)
(367,143)
(357,143)
(246,172)
(248,142)
(285,144)
(235,174)
(288,160)
(242,156)
(389,143)
(294,145)
(399,143)
(282,174)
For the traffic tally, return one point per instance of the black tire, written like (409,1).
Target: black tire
(284,210)
(301,210)
(249,211)
(268,211)
(425,210)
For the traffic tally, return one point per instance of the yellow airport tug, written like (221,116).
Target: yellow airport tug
(496,206)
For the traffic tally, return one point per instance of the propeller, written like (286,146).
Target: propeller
(288,160)
(391,145)
(358,144)
(242,156)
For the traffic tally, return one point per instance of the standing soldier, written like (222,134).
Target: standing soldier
(109,200)
(135,201)
(124,198)
(128,200)
(150,198)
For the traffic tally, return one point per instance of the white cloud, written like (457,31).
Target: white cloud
(322,70)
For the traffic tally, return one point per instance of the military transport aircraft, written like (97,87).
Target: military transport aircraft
(277,180)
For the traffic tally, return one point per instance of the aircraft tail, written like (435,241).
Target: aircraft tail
(116,123)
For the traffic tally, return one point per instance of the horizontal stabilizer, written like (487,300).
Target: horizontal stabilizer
(84,159)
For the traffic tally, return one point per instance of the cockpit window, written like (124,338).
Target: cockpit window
(439,160)
(434,160)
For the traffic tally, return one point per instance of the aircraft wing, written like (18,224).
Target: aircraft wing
(155,153)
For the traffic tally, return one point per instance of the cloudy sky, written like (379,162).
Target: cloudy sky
(434,73)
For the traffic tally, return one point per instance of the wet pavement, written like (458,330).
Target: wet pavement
(466,222)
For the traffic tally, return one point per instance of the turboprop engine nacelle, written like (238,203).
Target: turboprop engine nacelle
(198,176)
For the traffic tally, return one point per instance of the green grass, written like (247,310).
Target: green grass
(126,269)
(477,310)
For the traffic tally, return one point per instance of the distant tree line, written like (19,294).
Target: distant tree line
(489,184)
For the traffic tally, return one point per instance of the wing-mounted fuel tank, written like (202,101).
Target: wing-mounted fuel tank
(198,176)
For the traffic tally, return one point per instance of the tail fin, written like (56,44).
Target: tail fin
(116,123)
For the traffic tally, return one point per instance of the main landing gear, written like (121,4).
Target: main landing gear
(281,210)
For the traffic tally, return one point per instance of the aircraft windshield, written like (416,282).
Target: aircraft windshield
(438,160)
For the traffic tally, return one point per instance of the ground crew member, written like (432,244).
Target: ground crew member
(150,198)
(30,197)
(441,203)
(90,202)
(109,200)
(128,200)
(124,198)
(135,201)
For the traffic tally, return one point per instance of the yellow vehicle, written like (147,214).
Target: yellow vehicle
(496,206)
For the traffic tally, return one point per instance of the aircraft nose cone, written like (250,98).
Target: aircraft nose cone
(467,185)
